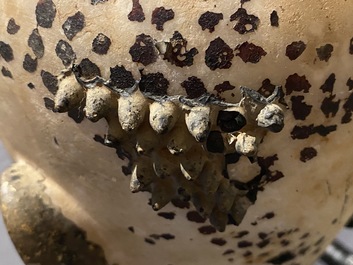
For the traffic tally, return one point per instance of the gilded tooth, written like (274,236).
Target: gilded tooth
(163,116)
(135,184)
(99,102)
(163,191)
(246,144)
(70,94)
(143,173)
(131,110)
(198,122)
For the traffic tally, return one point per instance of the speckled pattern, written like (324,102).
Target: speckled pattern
(174,53)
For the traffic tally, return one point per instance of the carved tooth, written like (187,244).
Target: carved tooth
(131,110)
(219,219)
(163,165)
(203,203)
(146,139)
(115,133)
(192,163)
(163,191)
(271,117)
(99,101)
(163,116)
(70,94)
(239,208)
(180,140)
(198,122)
(210,177)
(246,144)
(142,176)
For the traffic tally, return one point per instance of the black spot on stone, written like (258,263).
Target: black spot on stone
(121,78)
(76,114)
(143,51)
(228,252)
(95,2)
(154,84)
(45,13)
(194,87)
(30,64)
(267,88)
(12,27)
(6,72)
(350,83)
(218,241)
(319,241)
(207,230)
(131,229)
(274,19)
(329,84)
(194,216)
(307,154)
(230,121)
(268,215)
(160,16)
(177,53)
(300,109)
(73,25)
(324,52)
(101,44)
(297,83)
(282,258)
(48,103)
(167,215)
(209,20)
(334,221)
(6,51)
(295,49)
(167,236)
(219,55)
(285,242)
(330,107)
(247,253)
(305,235)
(348,108)
(136,13)
(281,234)
(65,52)
(349,224)
(55,140)
(31,86)
(232,158)
(249,52)
(225,86)
(244,1)
(241,234)
(351,46)
(150,241)
(181,204)
(244,244)
(35,42)
(303,250)
(325,130)
(263,243)
(303,132)
(245,22)
(262,235)
(88,69)
(50,81)
(215,142)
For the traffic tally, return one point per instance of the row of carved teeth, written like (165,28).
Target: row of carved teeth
(180,151)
